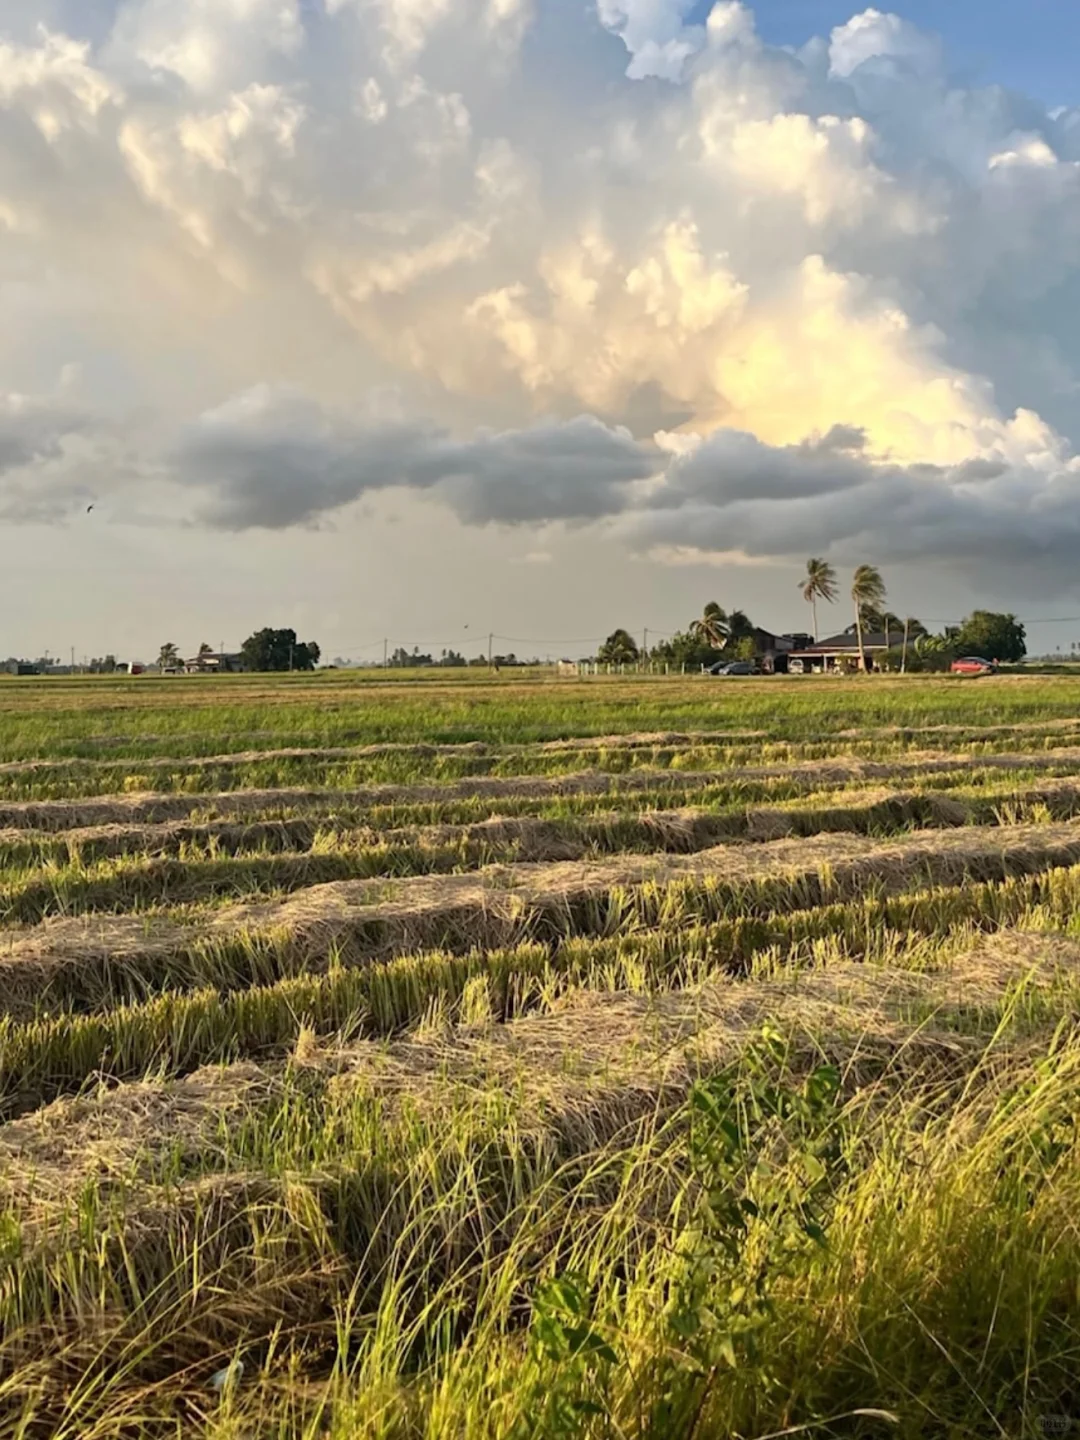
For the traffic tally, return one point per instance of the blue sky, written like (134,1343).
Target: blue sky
(1032,47)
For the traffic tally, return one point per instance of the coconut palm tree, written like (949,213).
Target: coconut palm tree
(739,626)
(820,584)
(713,628)
(868,593)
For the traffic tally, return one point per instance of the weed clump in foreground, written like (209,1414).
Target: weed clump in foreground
(789,1246)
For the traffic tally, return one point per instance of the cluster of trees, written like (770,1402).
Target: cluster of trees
(402,659)
(717,635)
(266,650)
(987,633)
(723,635)
(278,650)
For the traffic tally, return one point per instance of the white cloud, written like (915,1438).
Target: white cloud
(252,212)
(33,429)
(886,39)
(210,44)
(655,33)
(55,81)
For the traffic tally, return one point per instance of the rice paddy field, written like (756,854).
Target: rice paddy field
(520,1057)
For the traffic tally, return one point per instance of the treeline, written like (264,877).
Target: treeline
(719,634)
(414,659)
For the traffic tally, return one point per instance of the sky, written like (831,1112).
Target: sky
(422,320)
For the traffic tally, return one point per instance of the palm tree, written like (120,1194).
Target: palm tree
(713,628)
(868,593)
(820,584)
(740,626)
(205,650)
(169,656)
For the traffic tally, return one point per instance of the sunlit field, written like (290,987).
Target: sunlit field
(512,1056)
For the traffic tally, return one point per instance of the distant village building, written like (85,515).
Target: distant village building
(841,652)
(214,665)
(773,652)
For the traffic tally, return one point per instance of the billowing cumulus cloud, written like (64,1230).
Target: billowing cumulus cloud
(623,268)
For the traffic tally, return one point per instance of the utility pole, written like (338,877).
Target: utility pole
(384,645)
(491,651)
(903,660)
(290,656)
(645,647)
(73,659)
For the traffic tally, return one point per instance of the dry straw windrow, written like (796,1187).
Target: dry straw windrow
(624,1053)
(152,808)
(689,827)
(355,922)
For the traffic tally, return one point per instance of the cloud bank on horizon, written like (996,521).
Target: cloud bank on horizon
(261,258)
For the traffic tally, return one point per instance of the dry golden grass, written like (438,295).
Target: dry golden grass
(151,807)
(504,905)
(602,1061)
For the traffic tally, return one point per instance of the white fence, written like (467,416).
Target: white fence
(578,668)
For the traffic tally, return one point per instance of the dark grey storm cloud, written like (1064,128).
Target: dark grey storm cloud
(735,493)
(32,430)
(272,458)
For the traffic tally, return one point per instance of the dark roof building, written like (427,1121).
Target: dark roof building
(773,651)
(841,651)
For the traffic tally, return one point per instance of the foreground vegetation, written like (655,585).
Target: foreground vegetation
(607,1060)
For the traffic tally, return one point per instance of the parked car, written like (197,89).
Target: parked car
(733,667)
(974,665)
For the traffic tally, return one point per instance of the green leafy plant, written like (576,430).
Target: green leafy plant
(562,1333)
(766,1154)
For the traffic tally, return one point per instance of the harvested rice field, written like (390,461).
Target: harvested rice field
(520,1057)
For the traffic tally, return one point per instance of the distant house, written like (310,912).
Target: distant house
(773,652)
(841,652)
(214,665)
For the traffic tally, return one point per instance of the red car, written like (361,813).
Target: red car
(974,665)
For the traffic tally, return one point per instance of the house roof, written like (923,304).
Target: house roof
(849,644)
(766,640)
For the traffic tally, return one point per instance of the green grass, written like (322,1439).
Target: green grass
(174,716)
